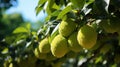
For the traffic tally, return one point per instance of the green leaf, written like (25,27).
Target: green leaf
(28,26)
(38,9)
(90,1)
(56,6)
(20,30)
(15,37)
(4,51)
(54,33)
(10,39)
(55,13)
(98,59)
(78,3)
(49,6)
(102,5)
(40,6)
(53,36)
(64,11)
(41,2)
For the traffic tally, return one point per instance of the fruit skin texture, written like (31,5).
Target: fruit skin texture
(50,57)
(96,46)
(87,37)
(38,54)
(67,27)
(59,46)
(44,46)
(73,43)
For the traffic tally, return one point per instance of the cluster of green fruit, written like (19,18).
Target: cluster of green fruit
(68,39)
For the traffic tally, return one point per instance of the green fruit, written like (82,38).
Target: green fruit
(39,55)
(105,48)
(59,46)
(73,43)
(96,46)
(50,57)
(44,46)
(87,37)
(78,3)
(67,27)
(110,25)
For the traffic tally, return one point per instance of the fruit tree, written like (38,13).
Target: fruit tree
(76,33)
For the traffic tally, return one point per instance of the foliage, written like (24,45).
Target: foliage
(101,15)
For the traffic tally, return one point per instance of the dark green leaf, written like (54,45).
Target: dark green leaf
(49,6)
(40,6)
(54,33)
(20,30)
(64,11)
(102,5)
(78,3)
(55,13)
(41,2)
(38,9)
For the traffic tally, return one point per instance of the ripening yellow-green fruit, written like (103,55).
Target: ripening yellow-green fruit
(87,36)
(44,46)
(96,46)
(50,57)
(73,43)
(38,54)
(110,25)
(67,27)
(59,46)
(105,48)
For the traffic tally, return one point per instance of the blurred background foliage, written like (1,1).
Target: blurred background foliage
(8,37)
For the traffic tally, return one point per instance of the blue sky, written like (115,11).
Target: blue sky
(27,9)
